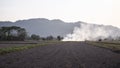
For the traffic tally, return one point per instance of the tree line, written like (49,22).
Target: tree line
(15,33)
(12,33)
(37,37)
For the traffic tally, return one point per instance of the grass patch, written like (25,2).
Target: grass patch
(113,46)
(19,48)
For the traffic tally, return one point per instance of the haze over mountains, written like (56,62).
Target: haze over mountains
(75,31)
(43,27)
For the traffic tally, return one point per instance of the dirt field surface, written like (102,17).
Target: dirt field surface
(62,55)
(5,44)
(12,45)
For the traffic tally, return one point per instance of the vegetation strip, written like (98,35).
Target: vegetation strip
(115,47)
(19,48)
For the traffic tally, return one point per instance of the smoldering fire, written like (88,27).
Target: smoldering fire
(93,32)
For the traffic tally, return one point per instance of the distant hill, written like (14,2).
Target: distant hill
(44,27)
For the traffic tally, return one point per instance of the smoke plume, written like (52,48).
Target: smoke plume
(93,32)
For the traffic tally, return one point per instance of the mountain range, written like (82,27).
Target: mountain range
(44,27)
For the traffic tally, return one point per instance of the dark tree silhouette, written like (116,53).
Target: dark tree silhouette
(49,37)
(59,38)
(35,37)
(12,33)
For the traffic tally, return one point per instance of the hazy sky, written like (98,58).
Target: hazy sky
(91,11)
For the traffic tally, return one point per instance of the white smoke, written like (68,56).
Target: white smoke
(92,32)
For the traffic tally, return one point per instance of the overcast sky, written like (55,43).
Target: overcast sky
(91,11)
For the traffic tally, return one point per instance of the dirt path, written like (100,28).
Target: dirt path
(63,55)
